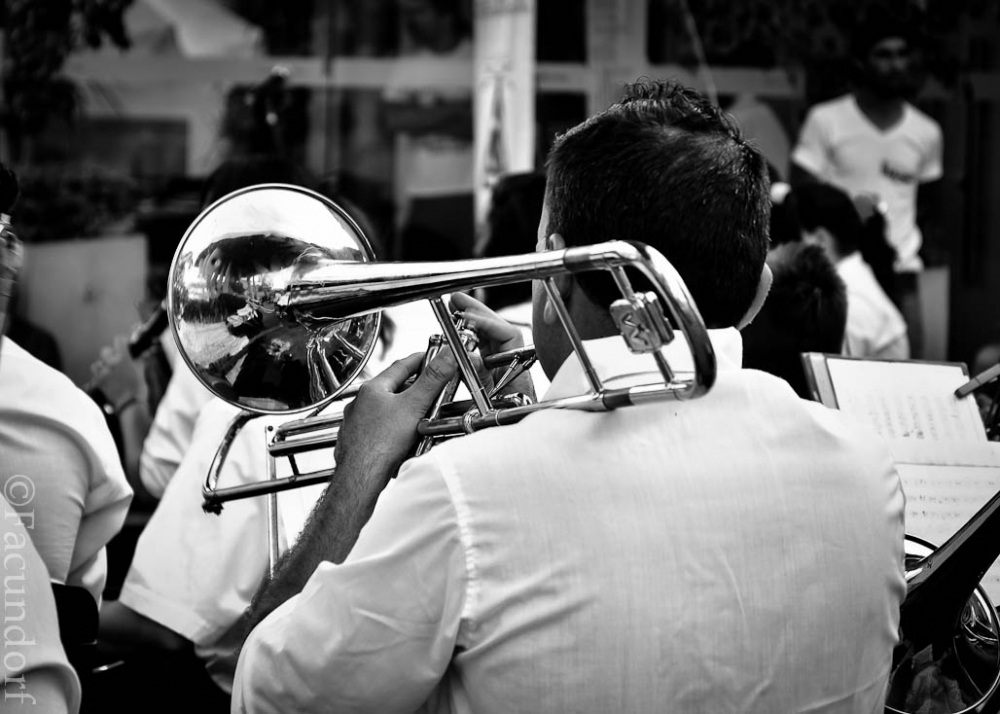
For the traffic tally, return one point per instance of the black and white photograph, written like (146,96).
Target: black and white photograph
(500,356)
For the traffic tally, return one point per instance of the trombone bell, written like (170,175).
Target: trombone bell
(275,310)
(230,273)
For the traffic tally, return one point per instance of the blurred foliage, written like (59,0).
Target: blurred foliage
(38,37)
(59,203)
(806,33)
(287,24)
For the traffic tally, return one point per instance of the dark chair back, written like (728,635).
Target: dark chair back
(78,621)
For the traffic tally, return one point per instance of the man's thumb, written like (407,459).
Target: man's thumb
(433,378)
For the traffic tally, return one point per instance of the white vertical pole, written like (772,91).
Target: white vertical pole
(503,100)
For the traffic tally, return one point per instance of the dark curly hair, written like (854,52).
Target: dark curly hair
(666,167)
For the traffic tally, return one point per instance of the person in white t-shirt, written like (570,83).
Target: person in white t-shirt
(881,150)
(875,327)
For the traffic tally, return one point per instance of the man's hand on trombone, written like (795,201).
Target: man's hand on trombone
(380,425)
(377,435)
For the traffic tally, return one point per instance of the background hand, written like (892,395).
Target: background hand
(495,335)
(116,375)
(868,204)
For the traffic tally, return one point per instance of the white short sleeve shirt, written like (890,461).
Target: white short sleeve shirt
(196,572)
(742,552)
(59,468)
(170,433)
(35,674)
(875,327)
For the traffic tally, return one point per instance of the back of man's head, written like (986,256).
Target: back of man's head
(820,205)
(665,167)
(806,311)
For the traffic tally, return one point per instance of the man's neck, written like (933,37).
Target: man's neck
(882,111)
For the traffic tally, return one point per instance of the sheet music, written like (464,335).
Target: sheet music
(948,467)
(908,400)
(940,499)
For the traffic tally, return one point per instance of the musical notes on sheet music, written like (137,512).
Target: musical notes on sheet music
(908,400)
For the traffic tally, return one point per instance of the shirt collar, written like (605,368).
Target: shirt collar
(851,261)
(617,366)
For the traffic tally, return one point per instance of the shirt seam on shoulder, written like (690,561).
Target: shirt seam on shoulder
(463,518)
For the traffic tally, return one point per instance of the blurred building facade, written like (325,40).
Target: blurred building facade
(365,73)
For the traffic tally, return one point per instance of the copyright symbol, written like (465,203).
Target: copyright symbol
(19,490)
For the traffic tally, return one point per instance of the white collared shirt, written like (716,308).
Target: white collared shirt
(34,670)
(169,436)
(59,469)
(741,552)
(196,572)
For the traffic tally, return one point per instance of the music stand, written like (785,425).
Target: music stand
(990,376)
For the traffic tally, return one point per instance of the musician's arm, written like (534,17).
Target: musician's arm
(378,632)
(329,535)
(378,435)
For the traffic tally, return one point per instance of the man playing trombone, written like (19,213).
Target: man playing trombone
(738,552)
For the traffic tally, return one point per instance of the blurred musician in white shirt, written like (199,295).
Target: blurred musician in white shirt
(193,573)
(59,466)
(875,327)
(806,311)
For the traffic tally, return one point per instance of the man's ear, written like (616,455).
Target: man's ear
(564,281)
(763,286)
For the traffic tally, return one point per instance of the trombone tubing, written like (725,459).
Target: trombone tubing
(344,290)
(350,290)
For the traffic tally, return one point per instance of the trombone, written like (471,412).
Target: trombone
(274,301)
(319,431)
